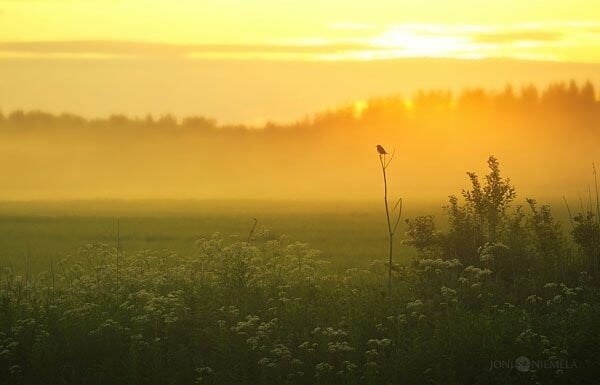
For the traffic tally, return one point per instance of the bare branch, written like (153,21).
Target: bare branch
(384,162)
(391,157)
(399,216)
(397,203)
(597,193)
(252,230)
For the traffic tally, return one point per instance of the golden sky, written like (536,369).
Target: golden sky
(554,30)
(182,57)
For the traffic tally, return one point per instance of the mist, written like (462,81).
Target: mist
(250,91)
(546,139)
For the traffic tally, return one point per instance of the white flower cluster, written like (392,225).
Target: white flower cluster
(438,265)
(491,251)
(477,272)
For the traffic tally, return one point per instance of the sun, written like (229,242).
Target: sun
(359,107)
(404,42)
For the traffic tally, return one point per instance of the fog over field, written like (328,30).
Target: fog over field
(245,91)
(546,138)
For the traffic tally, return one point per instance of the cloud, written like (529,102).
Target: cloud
(508,37)
(140,49)
(520,41)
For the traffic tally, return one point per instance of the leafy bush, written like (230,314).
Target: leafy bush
(586,233)
(535,241)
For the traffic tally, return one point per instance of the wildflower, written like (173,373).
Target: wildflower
(349,366)
(323,368)
(383,343)
(447,292)
(264,361)
(343,346)
(557,298)
(533,299)
(414,304)
(282,351)
(304,345)
(372,354)
(206,370)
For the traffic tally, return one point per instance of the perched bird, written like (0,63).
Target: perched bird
(381,150)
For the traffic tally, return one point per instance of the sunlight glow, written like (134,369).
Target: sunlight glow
(411,44)
(550,30)
(359,107)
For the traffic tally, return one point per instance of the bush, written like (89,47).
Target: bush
(535,243)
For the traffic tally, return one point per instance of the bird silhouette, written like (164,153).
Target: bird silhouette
(381,150)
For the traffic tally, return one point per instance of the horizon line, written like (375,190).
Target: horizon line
(340,51)
(360,104)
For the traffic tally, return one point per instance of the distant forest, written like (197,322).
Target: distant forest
(546,138)
(563,99)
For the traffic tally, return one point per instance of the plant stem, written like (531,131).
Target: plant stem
(569,211)
(597,196)
(389,223)
(118,250)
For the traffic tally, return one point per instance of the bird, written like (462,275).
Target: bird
(381,150)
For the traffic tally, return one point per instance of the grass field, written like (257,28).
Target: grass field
(176,303)
(347,234)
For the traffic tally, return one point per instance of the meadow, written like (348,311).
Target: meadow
(347,233)
(490,292)
(278,192)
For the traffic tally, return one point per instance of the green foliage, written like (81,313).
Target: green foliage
(499,284)
(548,239)
(487,203)
(534,241)
(482,217)
(271,312)
(423,236)
(586,233)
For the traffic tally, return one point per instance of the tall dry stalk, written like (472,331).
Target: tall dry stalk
(392,228)
(118,249)
(251,233)
(597,193)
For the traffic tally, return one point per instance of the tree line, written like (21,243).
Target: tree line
(576,102)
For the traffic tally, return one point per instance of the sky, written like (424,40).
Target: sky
(302,30)
(255,61)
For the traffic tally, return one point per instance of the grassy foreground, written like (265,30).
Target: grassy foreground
(503,296)
(271,313)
